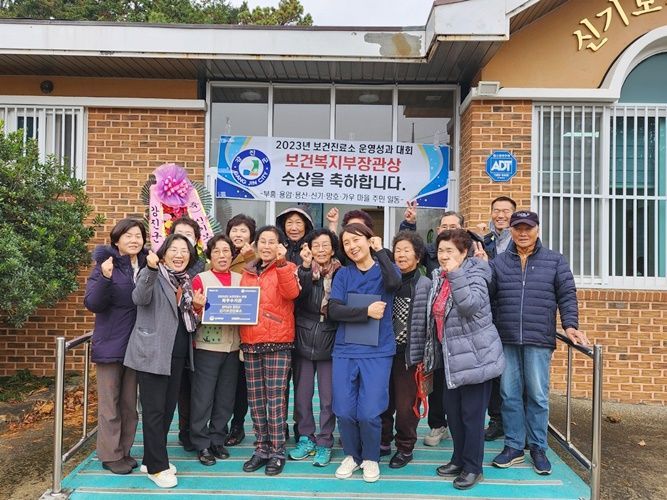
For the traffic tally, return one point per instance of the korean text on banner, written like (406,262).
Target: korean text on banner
(332,171)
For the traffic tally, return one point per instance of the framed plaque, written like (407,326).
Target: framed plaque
(231,305)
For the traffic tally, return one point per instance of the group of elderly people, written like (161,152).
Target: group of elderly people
(339,312)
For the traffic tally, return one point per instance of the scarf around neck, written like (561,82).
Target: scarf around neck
(180,282)
(326,274)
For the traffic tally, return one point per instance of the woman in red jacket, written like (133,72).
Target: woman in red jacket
(267,348)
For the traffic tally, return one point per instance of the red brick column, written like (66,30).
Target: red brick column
(488,126)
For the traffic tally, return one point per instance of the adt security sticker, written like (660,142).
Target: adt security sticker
(501,166)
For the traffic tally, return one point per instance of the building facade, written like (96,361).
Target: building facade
(575,90)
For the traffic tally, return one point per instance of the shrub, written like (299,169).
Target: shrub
(43,230)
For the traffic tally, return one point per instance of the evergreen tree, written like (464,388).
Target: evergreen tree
(288,12)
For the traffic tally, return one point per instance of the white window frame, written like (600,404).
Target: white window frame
(600,234)
(49,140)
(390,214)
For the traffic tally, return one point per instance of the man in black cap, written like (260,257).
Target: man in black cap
(530,284)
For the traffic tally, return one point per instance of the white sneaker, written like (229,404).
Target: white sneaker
(163,479)
(171,470)
(434,437)
(371,471)
(346,467)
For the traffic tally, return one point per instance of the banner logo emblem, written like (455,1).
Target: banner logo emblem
(251,167)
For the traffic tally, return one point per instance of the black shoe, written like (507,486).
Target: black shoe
(400,459)
(235,436)
(385,452)
(255,462)
(274,466)
(494,430)
(467,480)
(206,457)
(449,470)
(219,451)
(131,462)
(118,466)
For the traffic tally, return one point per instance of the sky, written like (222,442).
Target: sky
(359,12)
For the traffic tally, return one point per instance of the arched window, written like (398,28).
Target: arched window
(601,180)
(647,82)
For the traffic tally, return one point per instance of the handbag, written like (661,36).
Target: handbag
(424,382)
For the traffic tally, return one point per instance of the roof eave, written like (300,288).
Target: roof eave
(446,21)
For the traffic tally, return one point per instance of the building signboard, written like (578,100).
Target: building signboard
(332,171)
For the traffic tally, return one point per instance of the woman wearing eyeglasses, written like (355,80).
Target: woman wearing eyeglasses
(159,345)
(315,334)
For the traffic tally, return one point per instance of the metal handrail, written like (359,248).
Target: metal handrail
(594,464)
(59,457)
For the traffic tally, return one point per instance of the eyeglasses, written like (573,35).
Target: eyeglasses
(176,251)
(323,246)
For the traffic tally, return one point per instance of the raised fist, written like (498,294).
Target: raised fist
(332,215)
(306,256)
(281,251)
(199,300)
(247,250)
(107,268)
(376,243)
(481,228)
(332,219)
(152,260)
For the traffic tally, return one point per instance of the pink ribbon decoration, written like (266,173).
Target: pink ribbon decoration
(197,213)
(156,220)
(173,189)
(173,186)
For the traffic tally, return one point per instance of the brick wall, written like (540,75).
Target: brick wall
(632,327)
(487,126)
(124,147)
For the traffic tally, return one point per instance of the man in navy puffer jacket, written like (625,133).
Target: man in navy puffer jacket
(530,283)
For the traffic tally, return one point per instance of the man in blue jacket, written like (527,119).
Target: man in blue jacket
(530,283)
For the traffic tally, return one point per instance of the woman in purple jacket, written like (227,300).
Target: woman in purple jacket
(109,296)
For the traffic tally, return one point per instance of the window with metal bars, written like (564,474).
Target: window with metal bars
(600,187)
(58,131)
(638,191)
